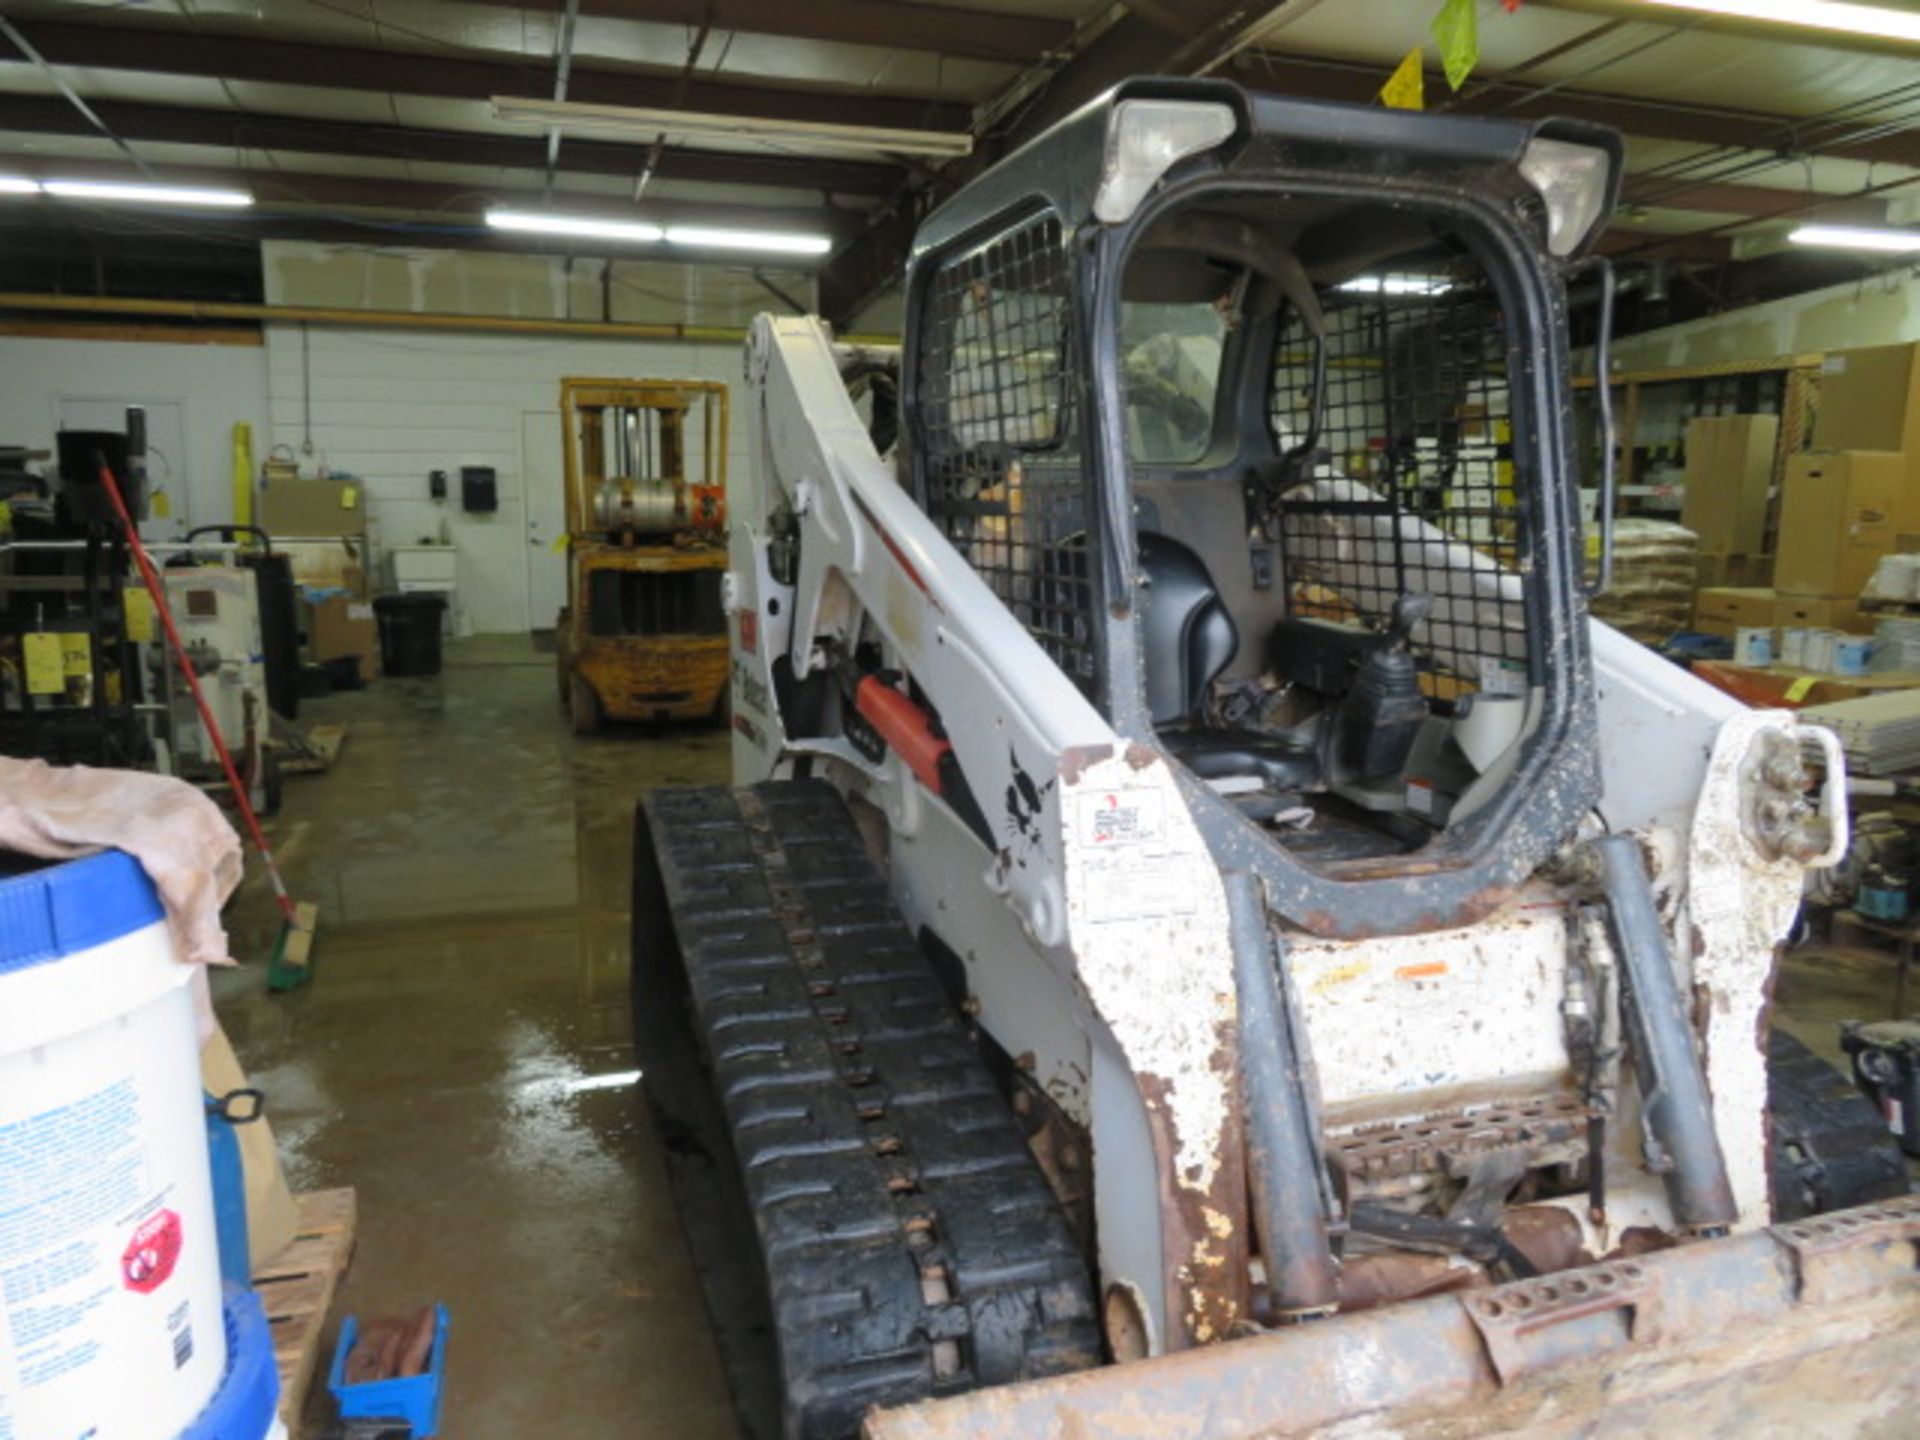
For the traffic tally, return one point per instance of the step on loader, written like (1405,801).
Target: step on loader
(1207,938)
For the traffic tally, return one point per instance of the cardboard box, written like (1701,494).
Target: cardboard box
(1714,570)
(341,626)
(1818,612)
(1726,609)
(328,564)
(1729,479)
(307,508)
(1869,400)
(1839,513)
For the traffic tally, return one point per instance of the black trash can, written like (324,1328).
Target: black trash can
(409,633)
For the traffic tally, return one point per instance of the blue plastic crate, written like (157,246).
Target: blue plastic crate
(412,1398)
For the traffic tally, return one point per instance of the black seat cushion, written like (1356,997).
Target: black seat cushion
(1282,763)
(1186,635)
(1187,638)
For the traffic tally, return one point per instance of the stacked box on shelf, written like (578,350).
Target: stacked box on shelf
(1840,512)
(1729,482)
(1723,610)
(1870,400)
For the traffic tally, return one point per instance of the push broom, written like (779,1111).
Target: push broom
(293,947)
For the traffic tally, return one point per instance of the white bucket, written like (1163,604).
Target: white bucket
(110,1303)
(1851,654)
(1753,645)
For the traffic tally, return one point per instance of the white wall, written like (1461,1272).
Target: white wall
(214,385)
(390,406)
(1881,311)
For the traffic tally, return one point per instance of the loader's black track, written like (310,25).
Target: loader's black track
(911,1245)
(1830,1149)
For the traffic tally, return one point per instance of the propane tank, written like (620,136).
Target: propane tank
(639,507)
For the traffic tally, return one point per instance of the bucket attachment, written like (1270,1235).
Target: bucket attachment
(1805,1328)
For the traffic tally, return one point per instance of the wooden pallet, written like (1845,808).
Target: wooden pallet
(317,749)
(297,1286)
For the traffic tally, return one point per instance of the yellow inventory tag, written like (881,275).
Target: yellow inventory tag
(561,541)
(40,650)
(138,605)
(6,517)
(159,505)
(76,652)
(349,497)
(1593,545)
(1800,688)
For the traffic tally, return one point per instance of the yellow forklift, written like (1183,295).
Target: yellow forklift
(644,634)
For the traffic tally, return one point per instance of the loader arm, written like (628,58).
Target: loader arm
(1132,917)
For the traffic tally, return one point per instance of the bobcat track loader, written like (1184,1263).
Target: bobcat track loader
(1208,940)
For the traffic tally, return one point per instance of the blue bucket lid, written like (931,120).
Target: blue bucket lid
(243,1407)
(64,909)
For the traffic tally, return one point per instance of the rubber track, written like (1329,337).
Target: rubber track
(912,1246)
(1846,1157)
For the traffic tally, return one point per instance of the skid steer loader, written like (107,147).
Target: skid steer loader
(1208,939)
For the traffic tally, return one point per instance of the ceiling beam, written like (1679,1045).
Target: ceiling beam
(1135,44)
(1647,245)
(457,75)
(289,134)
(1318,79)
(1010,38)
(1654,192)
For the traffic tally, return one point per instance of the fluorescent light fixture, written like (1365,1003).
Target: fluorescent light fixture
(775,242)
(18,185)
(641,232)
(1875,20)
(634,232)
(1395,285)
(147,194)
(1856,237)
(697,125)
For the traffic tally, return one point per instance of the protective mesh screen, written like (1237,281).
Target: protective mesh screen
(1413,489)
(1001,455)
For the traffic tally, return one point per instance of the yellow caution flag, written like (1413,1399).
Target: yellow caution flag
(1406,87)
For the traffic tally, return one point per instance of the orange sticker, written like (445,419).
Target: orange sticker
(1421,972)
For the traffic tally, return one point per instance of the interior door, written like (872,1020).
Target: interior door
(169,473)
(541,464)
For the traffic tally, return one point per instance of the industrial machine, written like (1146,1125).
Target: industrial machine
(1209,939)
(216,603)
(643,636)
(70,683)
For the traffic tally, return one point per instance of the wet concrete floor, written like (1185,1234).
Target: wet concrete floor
(462,1054)
(462,1058)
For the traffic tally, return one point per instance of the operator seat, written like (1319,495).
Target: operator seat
(1187,638)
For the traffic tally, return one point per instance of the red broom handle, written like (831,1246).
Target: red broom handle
(154,588)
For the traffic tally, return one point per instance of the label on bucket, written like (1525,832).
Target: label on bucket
(147,1262)
(70,1171)
(91,1246)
